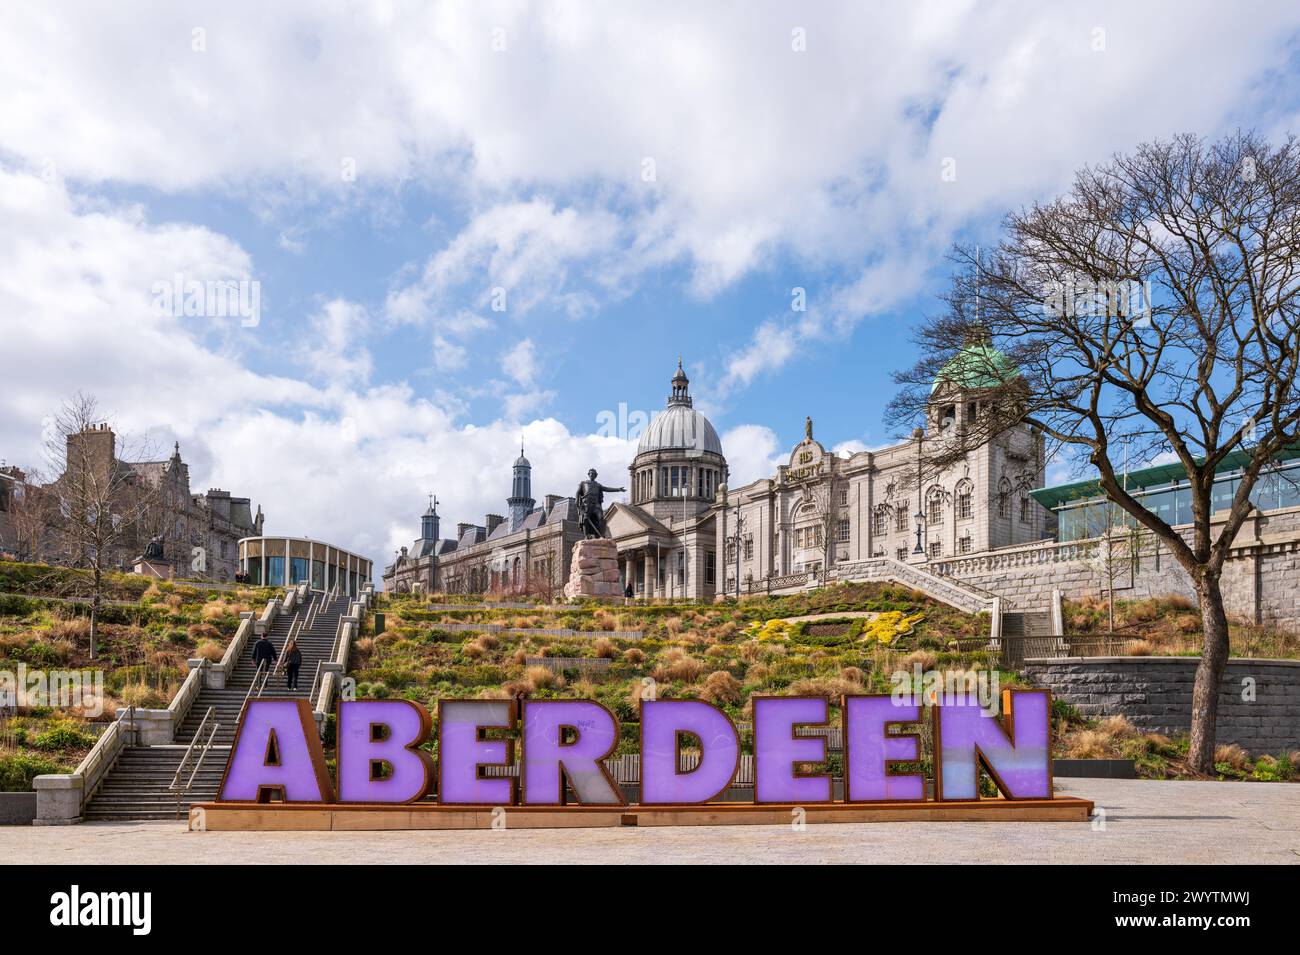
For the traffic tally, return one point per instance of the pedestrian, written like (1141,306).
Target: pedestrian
(292,662)
(264,652)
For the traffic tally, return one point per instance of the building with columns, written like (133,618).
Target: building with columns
(684,533)
(667,531)
(822,509)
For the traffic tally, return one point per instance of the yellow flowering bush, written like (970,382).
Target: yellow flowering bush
(889,626)
(771,630)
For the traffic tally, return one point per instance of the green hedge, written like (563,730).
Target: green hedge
(17,770)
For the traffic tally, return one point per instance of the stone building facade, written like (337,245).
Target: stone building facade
(528,552)
(821,509)
(199,534)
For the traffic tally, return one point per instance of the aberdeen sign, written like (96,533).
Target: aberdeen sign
(277,763)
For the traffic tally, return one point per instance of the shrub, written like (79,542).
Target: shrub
(203,631)
(721,687)
(210,650)
(1233,755)
(17,770)
(634,656)
(539,677)
(604,648)
(62,736)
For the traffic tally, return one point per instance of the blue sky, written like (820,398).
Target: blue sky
(643,181)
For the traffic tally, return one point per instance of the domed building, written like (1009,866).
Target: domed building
(666,531)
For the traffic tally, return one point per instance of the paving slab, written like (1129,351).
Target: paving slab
(1144,822)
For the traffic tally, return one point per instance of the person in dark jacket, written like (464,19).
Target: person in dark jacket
(264,652)
(292,661)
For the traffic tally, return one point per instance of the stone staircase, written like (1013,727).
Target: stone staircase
(1028,623)
(138,787)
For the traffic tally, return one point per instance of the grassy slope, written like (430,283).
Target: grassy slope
(142,651)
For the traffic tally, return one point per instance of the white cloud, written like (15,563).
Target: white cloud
(341,460)
(520,363)
(752,452)
(330,347)
(832,155)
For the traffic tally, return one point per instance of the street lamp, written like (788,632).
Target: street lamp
(918,434)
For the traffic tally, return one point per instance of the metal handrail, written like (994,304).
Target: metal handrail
(203,752)
(315,680)
(261,674)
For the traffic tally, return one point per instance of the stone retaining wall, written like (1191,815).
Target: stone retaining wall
(1261,578)
(1155,694)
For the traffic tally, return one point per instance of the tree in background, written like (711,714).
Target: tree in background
(98,503)
(1155,302)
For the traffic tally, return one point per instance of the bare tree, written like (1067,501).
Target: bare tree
(820,501)
(1155,302)
(98,503)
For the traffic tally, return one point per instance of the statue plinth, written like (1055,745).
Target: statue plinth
(595,570)
(152,567)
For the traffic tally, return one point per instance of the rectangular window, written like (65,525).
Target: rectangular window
(710,567)
(1004,506)
(935,510)
(901,554)
(1024,510)
(964,545)
(681,568)
(749,548)
(842,532)
(879,521)
(963,506)
(900,518)
(844,496)
(275,571)
(936,549)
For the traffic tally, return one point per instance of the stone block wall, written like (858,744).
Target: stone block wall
(1155,694)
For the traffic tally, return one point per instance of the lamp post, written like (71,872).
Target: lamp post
(735,543)
(918,434)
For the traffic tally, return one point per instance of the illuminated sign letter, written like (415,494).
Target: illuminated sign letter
(777,749)
(277,752)
(870,749)
(1017,755)
(378,755)
(663,723)
(463,749)
(567,739)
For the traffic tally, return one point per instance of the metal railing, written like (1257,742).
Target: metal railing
(176,787)
(256,687)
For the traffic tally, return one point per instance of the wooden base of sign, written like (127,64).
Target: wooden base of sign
(261,817)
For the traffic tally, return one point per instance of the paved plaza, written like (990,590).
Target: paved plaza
(1145,822)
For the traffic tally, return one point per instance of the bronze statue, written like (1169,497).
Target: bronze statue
(154,549)
(591,505)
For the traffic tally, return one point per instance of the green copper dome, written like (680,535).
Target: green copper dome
(978,365)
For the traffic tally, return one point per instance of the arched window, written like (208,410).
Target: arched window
(965,495)
(934,506)
(1004,498)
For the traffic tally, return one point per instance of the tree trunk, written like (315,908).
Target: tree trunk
(94,614)
(1209,675)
